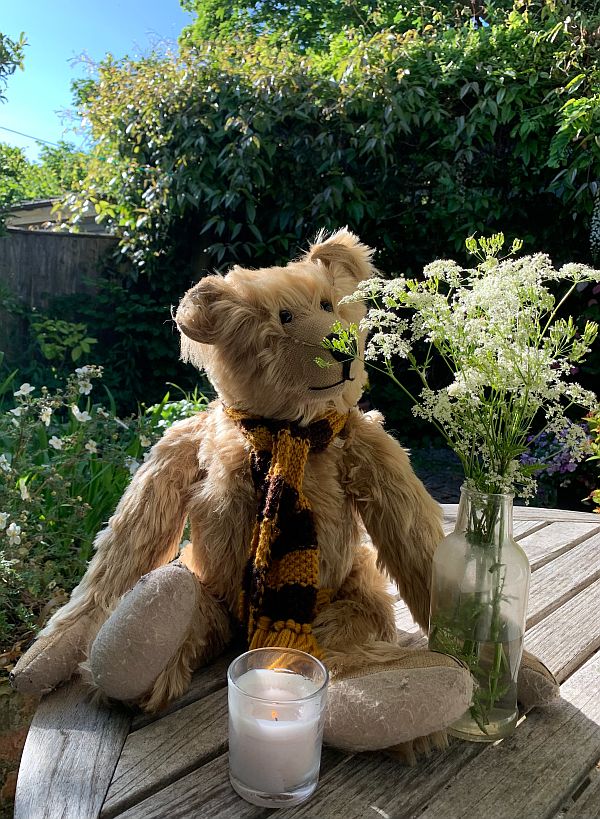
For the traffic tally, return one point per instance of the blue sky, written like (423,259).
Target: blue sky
(59,32)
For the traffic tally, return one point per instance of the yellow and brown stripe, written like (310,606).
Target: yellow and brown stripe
(281,590)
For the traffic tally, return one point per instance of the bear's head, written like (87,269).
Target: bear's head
(257,333)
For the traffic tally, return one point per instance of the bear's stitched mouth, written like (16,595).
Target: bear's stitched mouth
(331,386)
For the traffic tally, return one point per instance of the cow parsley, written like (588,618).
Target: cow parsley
(509,356)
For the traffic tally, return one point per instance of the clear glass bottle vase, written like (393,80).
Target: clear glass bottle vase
(479,591)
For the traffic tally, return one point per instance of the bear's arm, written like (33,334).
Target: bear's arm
(146,527)
(402,519)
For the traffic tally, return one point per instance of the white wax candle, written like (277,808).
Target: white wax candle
(274,742)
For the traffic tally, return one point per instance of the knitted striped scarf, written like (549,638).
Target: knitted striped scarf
(280,588)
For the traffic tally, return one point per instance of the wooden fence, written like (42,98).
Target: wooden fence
(37,265)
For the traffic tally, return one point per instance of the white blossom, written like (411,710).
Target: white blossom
(145,441)
(46,415)
(82,416)
(24,390)
(4,516)
(55,443)
(24,491)
(14,534)
(17,411)
(92,446)
(132,465)
(4,463)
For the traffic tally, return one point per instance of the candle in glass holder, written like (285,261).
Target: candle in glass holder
(276,705)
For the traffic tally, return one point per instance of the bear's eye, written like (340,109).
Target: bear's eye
(327,306)
(285,316)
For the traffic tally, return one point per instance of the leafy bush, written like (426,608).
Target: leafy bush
(65,460)
(58,171)
(415,129)
(59,339)
(415,136)
(11,57)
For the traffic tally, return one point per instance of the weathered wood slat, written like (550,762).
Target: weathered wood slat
(374,785)
(554,540)
(176,766)
(207,792)
(537,768)
(157,754)
(70,754)
(522,528)
(556,582)
(570,635)
(585,802)
(403,618)
(532,513)
(205,681)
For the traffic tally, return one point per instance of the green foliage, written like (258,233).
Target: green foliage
(593,421)
(415,137)
(309,24)
(21,179)
(65,460)
(59,339)
(58,171)
(137,339)
(11,57)
(65,163)
(312,25)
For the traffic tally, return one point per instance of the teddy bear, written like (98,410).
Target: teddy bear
(301,509)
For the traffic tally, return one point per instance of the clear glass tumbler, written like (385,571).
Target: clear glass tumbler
(276,711)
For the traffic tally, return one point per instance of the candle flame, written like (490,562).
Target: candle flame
(274,715)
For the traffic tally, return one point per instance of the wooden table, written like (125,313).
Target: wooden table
(84,761)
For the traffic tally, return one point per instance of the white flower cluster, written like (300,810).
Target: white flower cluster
(83,377)
(510,358)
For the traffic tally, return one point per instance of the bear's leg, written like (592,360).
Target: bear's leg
(382,695)
(536,684)
(160,631)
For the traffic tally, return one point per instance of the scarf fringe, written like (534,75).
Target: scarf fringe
(285,634)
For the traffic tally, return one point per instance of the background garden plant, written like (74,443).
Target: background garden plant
(594,425)
(405,121)
(408,124)
(65,460)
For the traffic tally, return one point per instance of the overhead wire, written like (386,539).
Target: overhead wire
(29,136)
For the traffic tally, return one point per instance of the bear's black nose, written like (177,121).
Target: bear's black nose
(337,355)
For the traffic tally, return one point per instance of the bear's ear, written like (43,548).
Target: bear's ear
(343,249)
(196,314)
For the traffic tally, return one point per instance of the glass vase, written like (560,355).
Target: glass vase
(479,591)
